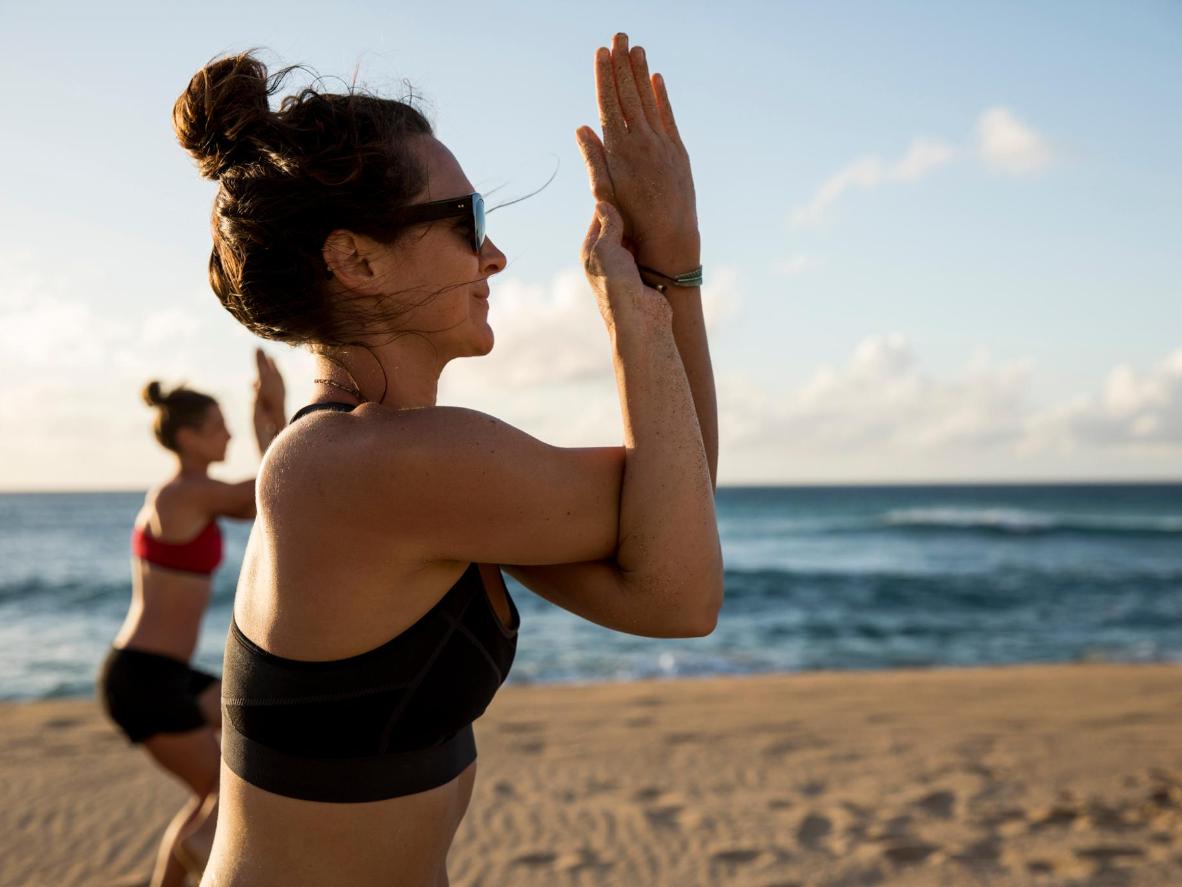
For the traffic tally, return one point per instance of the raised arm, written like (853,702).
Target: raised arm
(269,397)
(457,485)
(641,166)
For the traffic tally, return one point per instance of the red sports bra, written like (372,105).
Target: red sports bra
(201,554)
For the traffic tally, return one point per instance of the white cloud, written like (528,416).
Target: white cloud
(1008,145)
(921,157)
(1138,410)
(1004,144)
(881,409)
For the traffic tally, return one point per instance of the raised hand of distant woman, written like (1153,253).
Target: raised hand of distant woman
(269,396)
(640,164)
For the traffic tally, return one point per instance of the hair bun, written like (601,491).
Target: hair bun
(224,105)
(153,396)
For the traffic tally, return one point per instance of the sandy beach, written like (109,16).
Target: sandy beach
(1058,775)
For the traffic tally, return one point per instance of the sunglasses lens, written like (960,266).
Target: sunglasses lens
(478,220)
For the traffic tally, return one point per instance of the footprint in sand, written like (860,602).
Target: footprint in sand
(505,790)
(648,793)
(1110,819)
(814,788)
(581,860)
(786,746)
(533,860)
(1105,855)
(1055,817)
(894,829)
(813,830)
(638,722)
(984,853)
(857,811)
(530,748)
(1006,817)
(61,723)
(664,817)
(1040,867)
(940,804)
(648,700)
(909,854)
(522,726)
(682,738)
(737,856)
(1167,796)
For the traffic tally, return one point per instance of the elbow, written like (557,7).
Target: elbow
(703,619)
(702,627)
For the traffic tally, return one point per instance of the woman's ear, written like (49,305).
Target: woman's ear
(346,259)
(184,438)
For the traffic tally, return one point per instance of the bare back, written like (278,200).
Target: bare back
(167,606)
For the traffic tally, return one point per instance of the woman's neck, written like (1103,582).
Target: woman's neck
(403,374)
(191,466)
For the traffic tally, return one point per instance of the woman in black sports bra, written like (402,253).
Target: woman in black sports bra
(372,624)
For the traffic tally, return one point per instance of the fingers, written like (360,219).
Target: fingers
(611,223)
(611,116)
(665,109)
(629,95)
(596,159)
(606,229)
(644,86)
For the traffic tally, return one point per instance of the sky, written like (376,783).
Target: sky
(942,242)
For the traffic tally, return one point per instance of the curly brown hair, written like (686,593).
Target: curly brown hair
(288,178)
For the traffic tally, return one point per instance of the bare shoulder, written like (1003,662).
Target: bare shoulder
(450,482)
(331,444)
(344,452)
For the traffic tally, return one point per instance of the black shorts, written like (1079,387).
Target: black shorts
(147,693)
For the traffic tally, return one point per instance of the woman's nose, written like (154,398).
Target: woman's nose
(492,260)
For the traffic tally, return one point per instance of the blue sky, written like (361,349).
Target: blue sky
(942,240)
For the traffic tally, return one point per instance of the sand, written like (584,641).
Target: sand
(1057,775)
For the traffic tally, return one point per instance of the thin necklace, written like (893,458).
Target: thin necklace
(348,389)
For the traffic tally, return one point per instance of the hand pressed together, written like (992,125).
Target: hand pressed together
(641,165)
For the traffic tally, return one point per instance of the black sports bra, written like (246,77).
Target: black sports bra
(392,721)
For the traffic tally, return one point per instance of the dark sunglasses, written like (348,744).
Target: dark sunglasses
(470,207)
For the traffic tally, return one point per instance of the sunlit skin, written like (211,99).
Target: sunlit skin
(167,607)
(371,537)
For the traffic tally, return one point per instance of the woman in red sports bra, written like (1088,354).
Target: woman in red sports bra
(146,683)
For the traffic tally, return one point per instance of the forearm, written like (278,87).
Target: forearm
(689,329)
(668,541)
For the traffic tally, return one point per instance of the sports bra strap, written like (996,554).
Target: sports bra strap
(334,405)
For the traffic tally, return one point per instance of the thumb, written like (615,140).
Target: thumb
(611,223)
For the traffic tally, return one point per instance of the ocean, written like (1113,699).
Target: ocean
(816,578)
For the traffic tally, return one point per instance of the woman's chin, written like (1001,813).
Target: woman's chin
(484,344)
